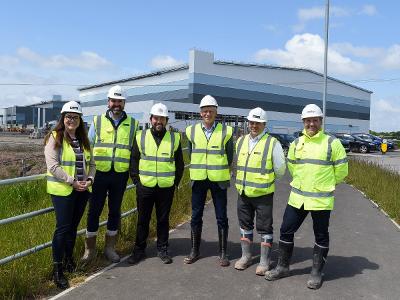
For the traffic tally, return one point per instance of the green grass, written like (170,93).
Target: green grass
(30,277)
(380,185)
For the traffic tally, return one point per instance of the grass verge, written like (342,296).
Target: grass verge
(380,185)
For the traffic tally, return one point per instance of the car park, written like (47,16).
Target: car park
(362,143)
(285,140)
(345,140)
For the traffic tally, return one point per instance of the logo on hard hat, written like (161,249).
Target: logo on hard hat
(117,94)
(73,107)
(255,116)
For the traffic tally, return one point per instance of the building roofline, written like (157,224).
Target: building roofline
(140,76)
(233,63)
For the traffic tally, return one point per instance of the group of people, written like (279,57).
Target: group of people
(90,167)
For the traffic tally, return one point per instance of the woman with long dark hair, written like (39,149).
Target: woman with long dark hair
(70,173)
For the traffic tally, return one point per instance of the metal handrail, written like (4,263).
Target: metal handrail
(45,211)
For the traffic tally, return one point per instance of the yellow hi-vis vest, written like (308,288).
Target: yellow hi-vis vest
(208,158)
(67,162)
(255,174)
(113,146)
(317,164)
(157,164)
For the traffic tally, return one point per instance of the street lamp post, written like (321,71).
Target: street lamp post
(325,63)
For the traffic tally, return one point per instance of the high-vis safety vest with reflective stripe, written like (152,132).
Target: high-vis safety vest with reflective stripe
(255,174)
(67,162)
(208,158)
(317,164)
(157,164)
(113,146)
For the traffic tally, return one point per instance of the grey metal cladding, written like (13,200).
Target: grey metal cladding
(273,102)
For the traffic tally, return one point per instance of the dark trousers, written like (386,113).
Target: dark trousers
(146,199)
(261,207)
(219,197)
(69,210)
(112,184)
(294,217)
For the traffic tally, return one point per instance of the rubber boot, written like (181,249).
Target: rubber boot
(265,258)
(282,268)
(109,249)
(164,256)
(319,259)
(69,264)
(245,261)
(58,276)
(90,250)
(136,256)
(195,235)
(223,243)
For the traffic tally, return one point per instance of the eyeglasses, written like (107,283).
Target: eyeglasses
(72,118)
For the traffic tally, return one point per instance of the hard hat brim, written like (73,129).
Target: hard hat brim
(117,98)
(256,120)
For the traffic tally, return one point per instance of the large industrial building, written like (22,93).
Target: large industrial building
(238,87)
(32,115)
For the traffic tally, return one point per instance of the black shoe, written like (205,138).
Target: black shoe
(165,258)
(58,277)
(69,265)
(136,257)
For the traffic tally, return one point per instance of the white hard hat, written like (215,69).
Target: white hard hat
(208,101)
(116,92)
(311,111)
(159,109)
(257,115)
(73,107)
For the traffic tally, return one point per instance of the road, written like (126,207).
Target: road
(363,262)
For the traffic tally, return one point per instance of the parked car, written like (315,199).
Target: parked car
(362,143)
(378,141)
(345,140)
(285,140)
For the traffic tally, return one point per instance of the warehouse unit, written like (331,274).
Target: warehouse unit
(238,87)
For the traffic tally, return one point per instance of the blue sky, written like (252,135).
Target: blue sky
(84,42)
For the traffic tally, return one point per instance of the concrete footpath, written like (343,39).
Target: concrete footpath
(363,262)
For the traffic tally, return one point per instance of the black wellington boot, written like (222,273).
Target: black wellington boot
(69,264)
(319,259)
(223,243)
(58,276)
(194,255)
(282,268)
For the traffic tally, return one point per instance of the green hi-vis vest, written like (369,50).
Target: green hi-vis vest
(157,164)
(208,158)
(317,164)
(255,174)
(67,162)
(113,146)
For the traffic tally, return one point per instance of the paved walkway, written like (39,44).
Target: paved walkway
(364,261)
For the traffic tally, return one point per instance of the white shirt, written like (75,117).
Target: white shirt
(278,157)
(208,131)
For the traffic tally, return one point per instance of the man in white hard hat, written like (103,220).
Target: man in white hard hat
(111,135)
(156,169)
(260,161)
(317,163)
(211,153)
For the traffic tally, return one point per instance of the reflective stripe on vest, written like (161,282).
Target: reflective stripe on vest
(254,174)
(157,163)
(112,146)
(208,157)
(67,160)
(313,175)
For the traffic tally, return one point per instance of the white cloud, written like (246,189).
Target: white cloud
(307,50)
(369,10)
(164,61)
(392,58)
(348,48)
(271,28)
(384,114)
(305,15)
(85,60)
(8,61)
